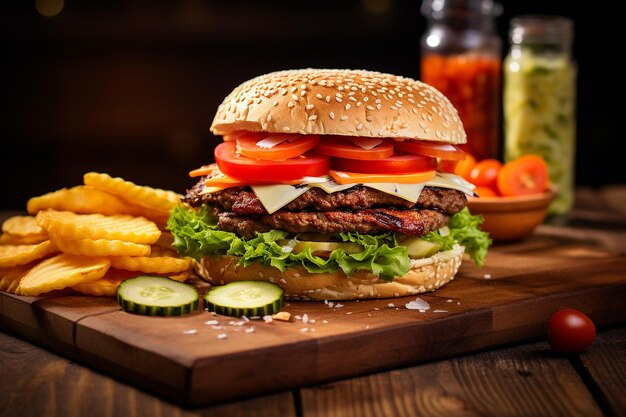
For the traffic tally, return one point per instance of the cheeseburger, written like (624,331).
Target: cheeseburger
(326,183)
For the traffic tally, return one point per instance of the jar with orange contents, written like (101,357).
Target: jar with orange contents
(461,57)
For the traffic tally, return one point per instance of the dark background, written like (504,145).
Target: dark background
(131,87)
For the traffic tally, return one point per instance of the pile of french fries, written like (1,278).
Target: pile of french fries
(90,238)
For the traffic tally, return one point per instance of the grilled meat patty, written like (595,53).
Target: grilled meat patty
(243,201)
(368,221)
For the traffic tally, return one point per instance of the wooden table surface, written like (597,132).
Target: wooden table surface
(519,380)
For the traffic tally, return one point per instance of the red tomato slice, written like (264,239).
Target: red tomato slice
(255,171)
(295,145)
(434,149)
(525,175)
(344,148)
(395,164)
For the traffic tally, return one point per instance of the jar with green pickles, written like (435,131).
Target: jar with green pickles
(540,99)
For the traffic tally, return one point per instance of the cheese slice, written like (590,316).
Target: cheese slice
(275,197)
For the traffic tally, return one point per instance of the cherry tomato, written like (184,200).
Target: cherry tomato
(525,175)
(485,192)
(231,163)
(292,146)
(485,173)
(344,148)
(461,168)
(434,149)
(570,331)
(395,164)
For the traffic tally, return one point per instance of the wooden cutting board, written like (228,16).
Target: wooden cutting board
(187,360)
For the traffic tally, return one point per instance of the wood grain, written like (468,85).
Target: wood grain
(520,381)
(507,300)
(605,364)
(38,383)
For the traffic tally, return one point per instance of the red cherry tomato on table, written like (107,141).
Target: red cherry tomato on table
(570,331)
(485,173)
(255,171)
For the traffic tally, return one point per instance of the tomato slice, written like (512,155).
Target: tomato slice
(435,149)
(343,177)
(395,164)
(344,148)
(255,171)
(525,175)
(290,147)
(461,168)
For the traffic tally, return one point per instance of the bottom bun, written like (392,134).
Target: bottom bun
(425,275)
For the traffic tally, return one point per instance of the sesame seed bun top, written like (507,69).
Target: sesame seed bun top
(340,102)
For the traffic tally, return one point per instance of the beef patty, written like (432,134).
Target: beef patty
(243,201)
(357,209)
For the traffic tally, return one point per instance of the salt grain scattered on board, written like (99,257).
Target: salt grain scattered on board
(190,331)
(212,322)
(418,304)
(222,336)
(249,330)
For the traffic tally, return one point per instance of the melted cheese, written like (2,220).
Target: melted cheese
(275,197)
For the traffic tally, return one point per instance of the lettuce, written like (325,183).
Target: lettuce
(196,235)
(464,230)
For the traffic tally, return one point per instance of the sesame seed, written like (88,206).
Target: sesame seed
(286,129)
(352,98)
(339,100)
(338,95)
(369,118)
(303,86)
(290,104)
(331,115)
(348,106)
(309,106)
(369,108)
(295,97)
(366,99)
(344,118)
(283,91)
(313,117)
(293,89)
(319,96)
(327,99)
(275,103)
(359,126)
(393,108)
(378,106)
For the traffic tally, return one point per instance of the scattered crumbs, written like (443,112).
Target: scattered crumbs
(190,331)
(331,304)
(211,322)
(255,317)
(217,327)
(214,313)
(449,300)
(376,308)
(222,336)
(244,318)
(367,327)
(312,321)
(418,304)
(349,312)
(391,305)
(239,323)
(282,316)
(338,305)
(249,330)
(487,276)
(297,317)
(325,321)
(440,311)
(458,303)
(268,319)
(369,315)
(305,318)
(304,330)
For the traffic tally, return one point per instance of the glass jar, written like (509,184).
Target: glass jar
(539,99)
(461,57)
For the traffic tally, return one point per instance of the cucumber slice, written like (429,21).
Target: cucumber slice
(419,248)
(157,296)
(245,298)
(322,249)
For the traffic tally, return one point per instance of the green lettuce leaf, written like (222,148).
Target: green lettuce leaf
(196,235)
(464,230)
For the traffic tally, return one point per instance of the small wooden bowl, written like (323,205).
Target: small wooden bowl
(511,218)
